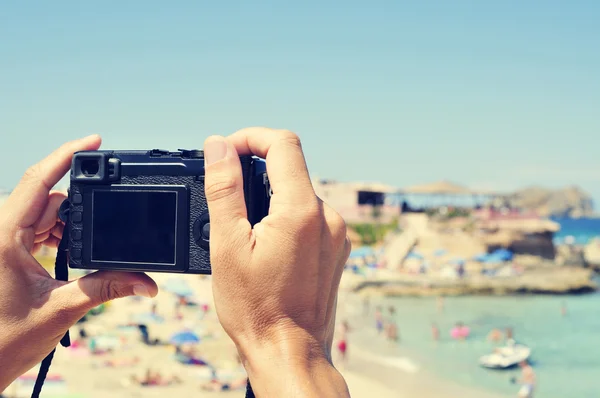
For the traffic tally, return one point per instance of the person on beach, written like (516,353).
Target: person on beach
(460,332)
(440,304)
(392,327)
(366,305)
(563,309)
(527,381)
(495,335)
(435,332)
(275,285)
(379,320)
(509,335)
(155,379)
(342,344)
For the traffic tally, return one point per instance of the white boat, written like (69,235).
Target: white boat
(506,357)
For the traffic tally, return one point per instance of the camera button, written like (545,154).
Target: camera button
(206,231)
(201,230)
(77,199)
(76,253)
(76,216)
(77,234)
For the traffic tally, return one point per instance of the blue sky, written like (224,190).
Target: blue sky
(490,94)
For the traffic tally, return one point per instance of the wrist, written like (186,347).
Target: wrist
(292,368)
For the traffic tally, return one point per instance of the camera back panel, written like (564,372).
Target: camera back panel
(147,211)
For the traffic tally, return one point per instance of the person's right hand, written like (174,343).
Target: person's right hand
(275,285)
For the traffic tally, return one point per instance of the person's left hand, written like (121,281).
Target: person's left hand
(35,309)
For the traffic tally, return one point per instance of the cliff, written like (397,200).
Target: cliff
(567,202)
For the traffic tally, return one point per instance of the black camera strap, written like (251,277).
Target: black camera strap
(61,273)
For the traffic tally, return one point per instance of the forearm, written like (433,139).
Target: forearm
(292,370)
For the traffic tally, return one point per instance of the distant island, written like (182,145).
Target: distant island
(571,201)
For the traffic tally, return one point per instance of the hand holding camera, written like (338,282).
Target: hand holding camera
(36,310)
(275,285)
(275,279)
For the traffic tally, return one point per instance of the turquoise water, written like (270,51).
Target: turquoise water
(566,354)
(581,229)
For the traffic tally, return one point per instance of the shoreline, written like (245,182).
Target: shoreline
(543,281)
(391,365)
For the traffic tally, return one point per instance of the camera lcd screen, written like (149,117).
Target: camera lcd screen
(134,226)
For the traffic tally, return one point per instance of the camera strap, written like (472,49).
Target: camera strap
(61,273)
(249,392)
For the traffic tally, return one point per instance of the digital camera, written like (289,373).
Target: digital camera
(146,210)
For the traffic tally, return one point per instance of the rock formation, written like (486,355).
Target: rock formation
(567,202)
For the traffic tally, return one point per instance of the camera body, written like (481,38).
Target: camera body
(146,210)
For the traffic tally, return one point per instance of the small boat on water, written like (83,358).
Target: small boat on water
(506,357)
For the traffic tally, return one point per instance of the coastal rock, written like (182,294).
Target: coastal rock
(540,280)
(591,252)
(567,202)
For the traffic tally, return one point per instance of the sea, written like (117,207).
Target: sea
(565,348)
(582,230)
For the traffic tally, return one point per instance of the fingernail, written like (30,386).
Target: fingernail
(89,137)
(215,149)
(141,290)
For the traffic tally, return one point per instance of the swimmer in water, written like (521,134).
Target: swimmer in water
(435,332)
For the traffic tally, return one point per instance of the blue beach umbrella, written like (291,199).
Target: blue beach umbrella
(184,337)
(415,255)
(499,256)
(440,252)
(362,251)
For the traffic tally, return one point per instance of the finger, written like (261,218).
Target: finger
(49,216)
(224,189)
(52,242)
(41,237)
(76,298)
(29,198)
(58,230)
(286,166)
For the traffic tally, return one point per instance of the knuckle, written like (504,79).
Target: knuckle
(337,226)
(32,173)
(290,138)
(347,248)
(340,228)
(312,211)
(109,290)
(312,219)
(221,188)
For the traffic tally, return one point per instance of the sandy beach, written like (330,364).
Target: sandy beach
(87,376)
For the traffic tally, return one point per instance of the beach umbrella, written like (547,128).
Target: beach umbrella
(414,255)
(440,252)
(503,254)
(499,256)
(106,342)
(184,337)
(481,257)
(362,251)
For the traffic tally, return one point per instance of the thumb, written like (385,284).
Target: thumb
(224,190)
(76,298)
